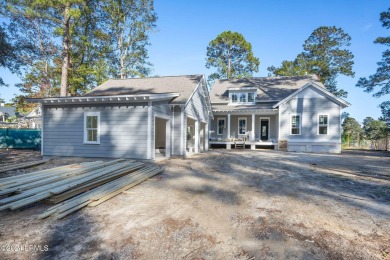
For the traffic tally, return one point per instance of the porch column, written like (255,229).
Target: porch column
(206,141)
(197,136)
(253,128)
(228,125)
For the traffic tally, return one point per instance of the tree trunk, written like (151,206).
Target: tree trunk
(65,51)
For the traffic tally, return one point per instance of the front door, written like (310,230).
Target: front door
(264,129)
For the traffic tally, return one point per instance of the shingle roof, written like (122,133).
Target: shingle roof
(268,88)
(11,111)
(267,105)
(184,85)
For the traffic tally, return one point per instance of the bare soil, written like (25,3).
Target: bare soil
(226,205)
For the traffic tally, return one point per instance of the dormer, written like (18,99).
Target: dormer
(242,96)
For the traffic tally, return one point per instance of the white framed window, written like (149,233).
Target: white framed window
(92,127)
(241,125)
(221,124)
(323,124)
(242,97)
(251,97)
(296,124)
(234,98)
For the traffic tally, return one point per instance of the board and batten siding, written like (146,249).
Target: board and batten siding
(309,104)
(123,131)
(197,106)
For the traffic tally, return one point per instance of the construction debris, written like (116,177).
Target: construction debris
(73,186)
(21,166)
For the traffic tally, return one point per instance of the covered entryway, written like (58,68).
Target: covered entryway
(192,135)
(162,137)
(264,129)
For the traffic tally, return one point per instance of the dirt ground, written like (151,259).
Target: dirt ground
(225,205)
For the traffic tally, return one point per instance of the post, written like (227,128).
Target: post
(206,141)
(228,129)
(253,128)
(197,136)
(149,141)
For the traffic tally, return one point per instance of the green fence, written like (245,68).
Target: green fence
(20,138)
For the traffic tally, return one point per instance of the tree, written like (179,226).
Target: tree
(7,54)
(374,130)
(381,78)
(324,54)
(352,130)
(130,22)
(232,55)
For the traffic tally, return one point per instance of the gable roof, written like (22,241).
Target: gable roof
(268,88)
(11,111)
(183,85)
(325,92)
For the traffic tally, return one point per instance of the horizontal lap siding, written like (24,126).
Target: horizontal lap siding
(177,128)
(123,131)
(309,109)
(197,106)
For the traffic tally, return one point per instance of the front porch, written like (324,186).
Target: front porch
(239,129)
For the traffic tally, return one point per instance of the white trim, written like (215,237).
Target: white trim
(335,99)
(318,123)
(207,97)
(182,131)
(104,99)
(173,131)
(243,89)
(42,126)
(300,123)
(269,126)
(228,124)
(207,134)
(197,139)
(167,134)
(253,136)
(238,125)
(87,114)
(149,142)
(224,124)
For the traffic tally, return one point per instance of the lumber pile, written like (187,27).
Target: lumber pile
(21,165)
(73,186)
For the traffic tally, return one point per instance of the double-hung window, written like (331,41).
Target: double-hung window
(92,127)
(241,126)
(322,124)
(234,98)
(221,126)
(295,124)
(251,97)
(242,97)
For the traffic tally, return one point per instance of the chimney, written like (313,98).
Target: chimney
(2,104)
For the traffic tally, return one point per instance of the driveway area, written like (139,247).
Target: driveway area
(226,204)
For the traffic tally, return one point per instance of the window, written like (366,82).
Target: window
(241,126)
(323,124)
(242,97)
(251,97)
(234,98)
(221,126)
(295,124)
(92,128)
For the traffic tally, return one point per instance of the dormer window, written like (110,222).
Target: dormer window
(246,98)
(242,97)
(251,97)
(234,98)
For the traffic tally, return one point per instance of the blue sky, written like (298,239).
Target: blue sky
(276,30)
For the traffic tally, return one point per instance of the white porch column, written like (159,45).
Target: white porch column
(253,128)
(206,141)
(228,127)
(197,136)
(149,141)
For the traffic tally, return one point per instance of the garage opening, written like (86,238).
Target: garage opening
(161,138)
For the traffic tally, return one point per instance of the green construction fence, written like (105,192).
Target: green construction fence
(20,138)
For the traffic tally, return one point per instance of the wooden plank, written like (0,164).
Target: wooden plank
(21,166)
(66,213)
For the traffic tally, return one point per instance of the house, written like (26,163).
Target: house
(33,118)
(6,112)
(140,118)
(297,112)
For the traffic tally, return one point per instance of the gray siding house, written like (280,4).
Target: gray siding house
(297,112)
(130,118)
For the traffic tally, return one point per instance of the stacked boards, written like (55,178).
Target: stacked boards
(73,186)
